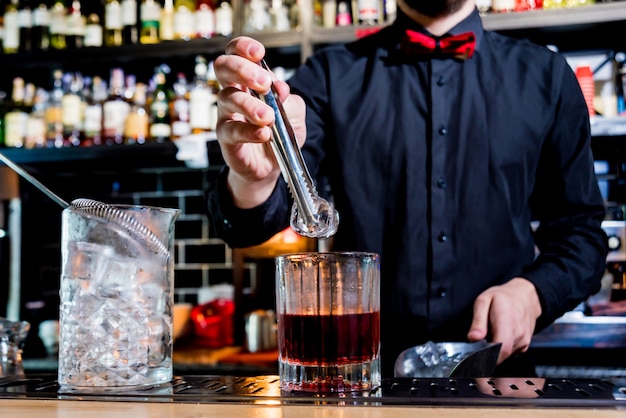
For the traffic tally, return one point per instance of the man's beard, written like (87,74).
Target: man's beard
(435,8)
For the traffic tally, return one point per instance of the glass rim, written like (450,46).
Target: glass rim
(324,255)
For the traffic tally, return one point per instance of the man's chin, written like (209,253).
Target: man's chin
(435,8)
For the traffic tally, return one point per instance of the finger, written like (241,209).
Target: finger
(480,321)
(239,72)
(503,333)
(246,47)
(235,104)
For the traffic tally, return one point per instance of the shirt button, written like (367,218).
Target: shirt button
(441,183)
(441,292)
(441,82)
(442,236)
(443,131)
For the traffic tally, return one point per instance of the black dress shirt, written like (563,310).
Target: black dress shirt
(440,165)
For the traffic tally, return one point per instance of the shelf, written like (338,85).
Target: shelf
(534,19)
(118,54)
(595,13)
(115,156)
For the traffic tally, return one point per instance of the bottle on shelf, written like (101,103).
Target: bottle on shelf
(224,18)
(205,19)
(483,6)
(94,31)
(329,13)
(58,11)
(72,109)
(113,23)
(130,32)
(25,24)
(179,108)
(201,98)
(17,115)
(344,16)
(75,23)
(184,19)
(166,24)
(150,17)
(136,128)
(11,33)
(280,16)
(94,97)
(40,32)
(160,121)
(3,99)
(368,12)
(215,87)
(54,112)
(36,123)
(503,6)
(258,16)
(115,109)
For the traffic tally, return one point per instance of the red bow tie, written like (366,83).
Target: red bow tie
(458,46)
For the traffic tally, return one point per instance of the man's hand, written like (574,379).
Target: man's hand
(244,122)
(508,312)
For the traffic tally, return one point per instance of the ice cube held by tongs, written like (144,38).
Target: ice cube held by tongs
(311,215)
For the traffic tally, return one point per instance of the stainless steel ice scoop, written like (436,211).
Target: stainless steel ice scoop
(311,215)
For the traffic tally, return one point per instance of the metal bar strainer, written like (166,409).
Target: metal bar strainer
(98,209)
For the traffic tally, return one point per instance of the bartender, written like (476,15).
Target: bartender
(439,142)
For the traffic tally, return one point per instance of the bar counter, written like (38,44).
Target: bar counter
(16,408)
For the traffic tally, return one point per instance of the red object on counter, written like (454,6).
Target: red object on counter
(213,323)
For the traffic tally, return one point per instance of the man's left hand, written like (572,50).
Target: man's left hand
(508,313)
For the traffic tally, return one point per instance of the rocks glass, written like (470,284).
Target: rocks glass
(328,311)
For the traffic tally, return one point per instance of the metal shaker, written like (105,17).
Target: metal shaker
(260,326)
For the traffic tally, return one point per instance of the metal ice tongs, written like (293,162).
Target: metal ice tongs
(311,215)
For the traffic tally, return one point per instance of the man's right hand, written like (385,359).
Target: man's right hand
(244,122)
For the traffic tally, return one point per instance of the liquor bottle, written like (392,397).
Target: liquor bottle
(138,120)
(115,109)
(54,112)
(11,34)
(344,17)
(94,97)
(130,33)
(179,108)
(57,25)
(224,19)
(258,16)
(215,88)
(41,28)
(36,124)
(200,98)
(329,13)
(160,122)
(17,115)
(368,12)
(184,19)
(113,23)
(72,109)
(166,24)
(205,19)
(150,17)
(280,12)
(25,24)
(75,26)
(3,105)
(503,6)
(93,31)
